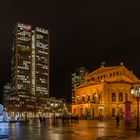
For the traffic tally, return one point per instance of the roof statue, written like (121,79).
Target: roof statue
(121,63)
(102,64)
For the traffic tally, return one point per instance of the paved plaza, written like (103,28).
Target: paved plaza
(81,130)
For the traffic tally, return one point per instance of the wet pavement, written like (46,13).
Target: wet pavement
(81,130)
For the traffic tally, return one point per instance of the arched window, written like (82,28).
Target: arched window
(88,98)
(113,73)
(120,97)
(92,78)
(113,97)
(83,99)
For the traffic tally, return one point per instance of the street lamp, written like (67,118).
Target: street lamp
(89,110)
(100,107)
(118,107)
(135,92)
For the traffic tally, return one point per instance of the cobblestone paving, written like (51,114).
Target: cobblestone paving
(82,130)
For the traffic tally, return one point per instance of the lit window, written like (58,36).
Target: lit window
(120,97)
(113,97)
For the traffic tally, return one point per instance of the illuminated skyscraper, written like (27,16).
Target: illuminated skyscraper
(6,93)
(30,66)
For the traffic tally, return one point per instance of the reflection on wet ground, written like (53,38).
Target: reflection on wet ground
(84,129)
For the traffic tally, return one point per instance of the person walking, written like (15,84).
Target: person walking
(54,118)
(117,119)
(40,119)
(44,120)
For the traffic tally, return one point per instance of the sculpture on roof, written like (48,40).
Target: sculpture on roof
(102,64)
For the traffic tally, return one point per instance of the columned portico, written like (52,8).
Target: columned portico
(104,92)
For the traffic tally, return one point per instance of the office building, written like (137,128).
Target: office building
(30,69)
(6,93)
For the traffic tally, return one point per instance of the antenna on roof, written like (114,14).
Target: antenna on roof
(102,64)
(121,63)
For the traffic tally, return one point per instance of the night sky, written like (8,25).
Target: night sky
(82,33)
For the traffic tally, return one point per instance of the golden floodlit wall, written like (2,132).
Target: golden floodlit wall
(104,93)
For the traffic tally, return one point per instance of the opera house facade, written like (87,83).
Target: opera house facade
(105,93)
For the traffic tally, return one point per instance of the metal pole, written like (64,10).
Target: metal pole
(137,127)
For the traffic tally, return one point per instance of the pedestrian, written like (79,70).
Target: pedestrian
(44,120)
(54,118)
(40,119)
(63,119)
(77,118)
(117,119)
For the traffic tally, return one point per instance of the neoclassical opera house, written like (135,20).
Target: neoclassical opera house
(104,92)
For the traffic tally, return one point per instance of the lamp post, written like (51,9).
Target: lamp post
(118,107)
(89,110)
(100,107)
(135,92)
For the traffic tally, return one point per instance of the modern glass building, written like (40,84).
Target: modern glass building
(30,67)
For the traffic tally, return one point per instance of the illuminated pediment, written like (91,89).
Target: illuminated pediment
(111,74)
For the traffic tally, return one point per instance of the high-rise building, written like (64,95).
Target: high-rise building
(78,75)
(6,93)
(30,67)
(78,79)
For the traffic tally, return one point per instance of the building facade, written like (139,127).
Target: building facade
(6,93)
(30,69)
(104,93)
(77,79)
